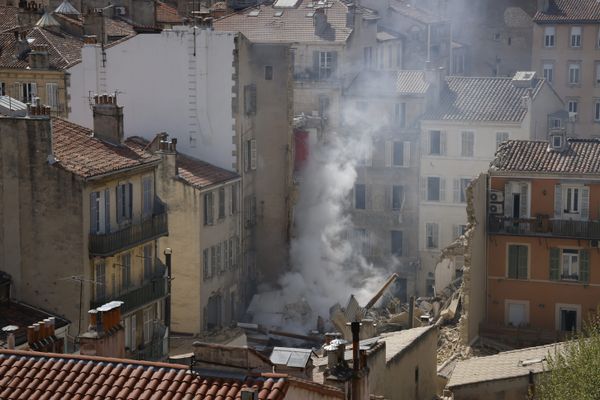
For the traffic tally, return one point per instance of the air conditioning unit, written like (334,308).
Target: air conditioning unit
(120,10)
(496,208)
(496,196)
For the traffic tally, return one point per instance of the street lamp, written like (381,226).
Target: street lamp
(168,251)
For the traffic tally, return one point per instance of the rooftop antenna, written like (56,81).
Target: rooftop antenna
(79,279)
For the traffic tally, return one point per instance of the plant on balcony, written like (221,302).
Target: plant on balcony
(569,277)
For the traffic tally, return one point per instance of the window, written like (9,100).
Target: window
(250,159)
(250,210)
(575,36)
(548,69)
(219,265)
(568,317)
(597,73)
(518,261)
(458,231)
(460,189)
(148,264)
(250,99)
(230,255)
(100,281)
(323,105)
(517,313)
(467,144)
(131,332)
(52,95)
(458,63)
(434,189)
(208,209)
(431,235)
(570,265)
(597,110)
(549,36)
(396,243)
(234,198)
(359,196)
(360,239)
(213,260)
(571,199)
(367,56)
(573,106)
(206,264)
(148,322)
(399,114)
(574,69)
(225,255)
(268,72)
(500,138)
(222,203)
(557,141)
(326,62)
(27,91)
(398,154)
(124,202)
(390,57)
(100,212)
(436,143)
(148,195)
(399,56)
(397,197)
(555,123)
(125,271)
(3,89)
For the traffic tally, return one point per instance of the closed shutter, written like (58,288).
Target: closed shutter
(508,206)
(585,203)
(424,188)
(584,266)
(554,264)
(94,212)
(435,233)
(18,91)
(389,146)
(253,154)
(557,201)
(246,155)
(425,143)
(443,148)
(129,200)
(107,211)
(456,190)
(523,255)
(513,261)
(388,197)
(368,197)
(119,203)
(33,89)
(524,206)
(334,63)
(442,189)
(316,64)
(406,159)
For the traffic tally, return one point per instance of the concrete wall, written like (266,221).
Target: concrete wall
(506,389)
(301,392)
(179,81)
(42,241)
(10,77)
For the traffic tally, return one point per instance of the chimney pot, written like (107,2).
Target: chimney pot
(10,341)
(30,334)
(36,332)
(99,326)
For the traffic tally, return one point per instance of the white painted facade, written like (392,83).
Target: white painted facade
(179,81)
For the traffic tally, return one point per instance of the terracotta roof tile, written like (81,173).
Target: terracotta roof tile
(8,18)
(581,157)
(389,83)
(167,14)
(482,99)
(292,26)
(569,12)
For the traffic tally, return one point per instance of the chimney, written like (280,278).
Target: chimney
(22,45)
(435,77)
(38,57)
(29,13)
(350,15)
(108,118)
(37,109)
(360,382)
(94,24)
(9,331)
(335,350)
(320,21)
(105,335)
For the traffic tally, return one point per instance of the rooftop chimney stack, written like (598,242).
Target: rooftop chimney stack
(350,15)
(320,21)
(105,335)
(9,331)
(108,118)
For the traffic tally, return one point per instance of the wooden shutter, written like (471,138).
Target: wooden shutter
(94,212)
(443,143)
(246,155)
(425,143)
(316,64)
(406,158)
(119,203)
(456,190)
(129,200)
(133,332)
(388,201)
(557,201)
(584,266)
(435,232)
(442,189)
(524,206)
(523,255)
(513,261)
(389,147)
(368,197)
(33,90)
(334,63)
(424,188)
(585,203)
(508,205)
(253,154)
(107,211)
(554,264)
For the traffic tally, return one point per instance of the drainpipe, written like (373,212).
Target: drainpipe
(355,327)
(168,253)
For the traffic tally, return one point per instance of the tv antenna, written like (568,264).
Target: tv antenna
(80,280)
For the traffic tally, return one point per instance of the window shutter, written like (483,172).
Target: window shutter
(554,264)
(246,158)
(522,272)
(33,90)
(513,261)
(368,197)
(425,143)
(508,205)
(107,211)
(334,63)
(316,64)
(119,203)
(388,200)
(388,152)
(585,203)
(443,143)
(557,201)
(406,159)
(435,233)
(93,212)
(129,200)
(442,189)
(424,188)
(253,154)
(524,206)
(456,190)
(584,266)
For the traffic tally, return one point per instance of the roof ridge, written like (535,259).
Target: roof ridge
(53,45)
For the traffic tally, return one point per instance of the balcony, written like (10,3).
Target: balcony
(543,225)
(152,289)
(111,243)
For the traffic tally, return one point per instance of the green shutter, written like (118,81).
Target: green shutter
(584,266)
(522,268)
(513,261)
(554,264)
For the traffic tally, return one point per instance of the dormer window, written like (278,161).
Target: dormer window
(557,142)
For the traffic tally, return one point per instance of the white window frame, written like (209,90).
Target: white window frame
(572,200)
(575,37)
(568,307)
(433,233)
(508,302)
(52,95)
(548,71)
(148,319)
(549,36)
(573,105)
(467,144)
(569,258)
(325,64)
(574,69)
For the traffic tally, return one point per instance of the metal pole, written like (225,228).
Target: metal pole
(168,253)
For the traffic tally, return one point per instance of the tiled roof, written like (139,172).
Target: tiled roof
(33,376)
(78,152)
(23,315)
(397,342)
(8,18)
(405,8)
(581,157)
(373,83)
(167,14)
(508,364)
(115,28)
(570,11)
(201,174)
(292,26)
(63,50)
(482,99)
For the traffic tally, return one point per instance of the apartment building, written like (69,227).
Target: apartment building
(459,139)
(81,222)
(543,236)
(385,197)
(566,43)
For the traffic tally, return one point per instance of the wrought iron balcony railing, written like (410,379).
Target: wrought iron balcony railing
(543,225)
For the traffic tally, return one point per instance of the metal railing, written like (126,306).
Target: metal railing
(543,225)
(111,243)
(151,289)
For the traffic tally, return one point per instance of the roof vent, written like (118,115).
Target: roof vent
(66,8)
(524,79)
(47,21)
